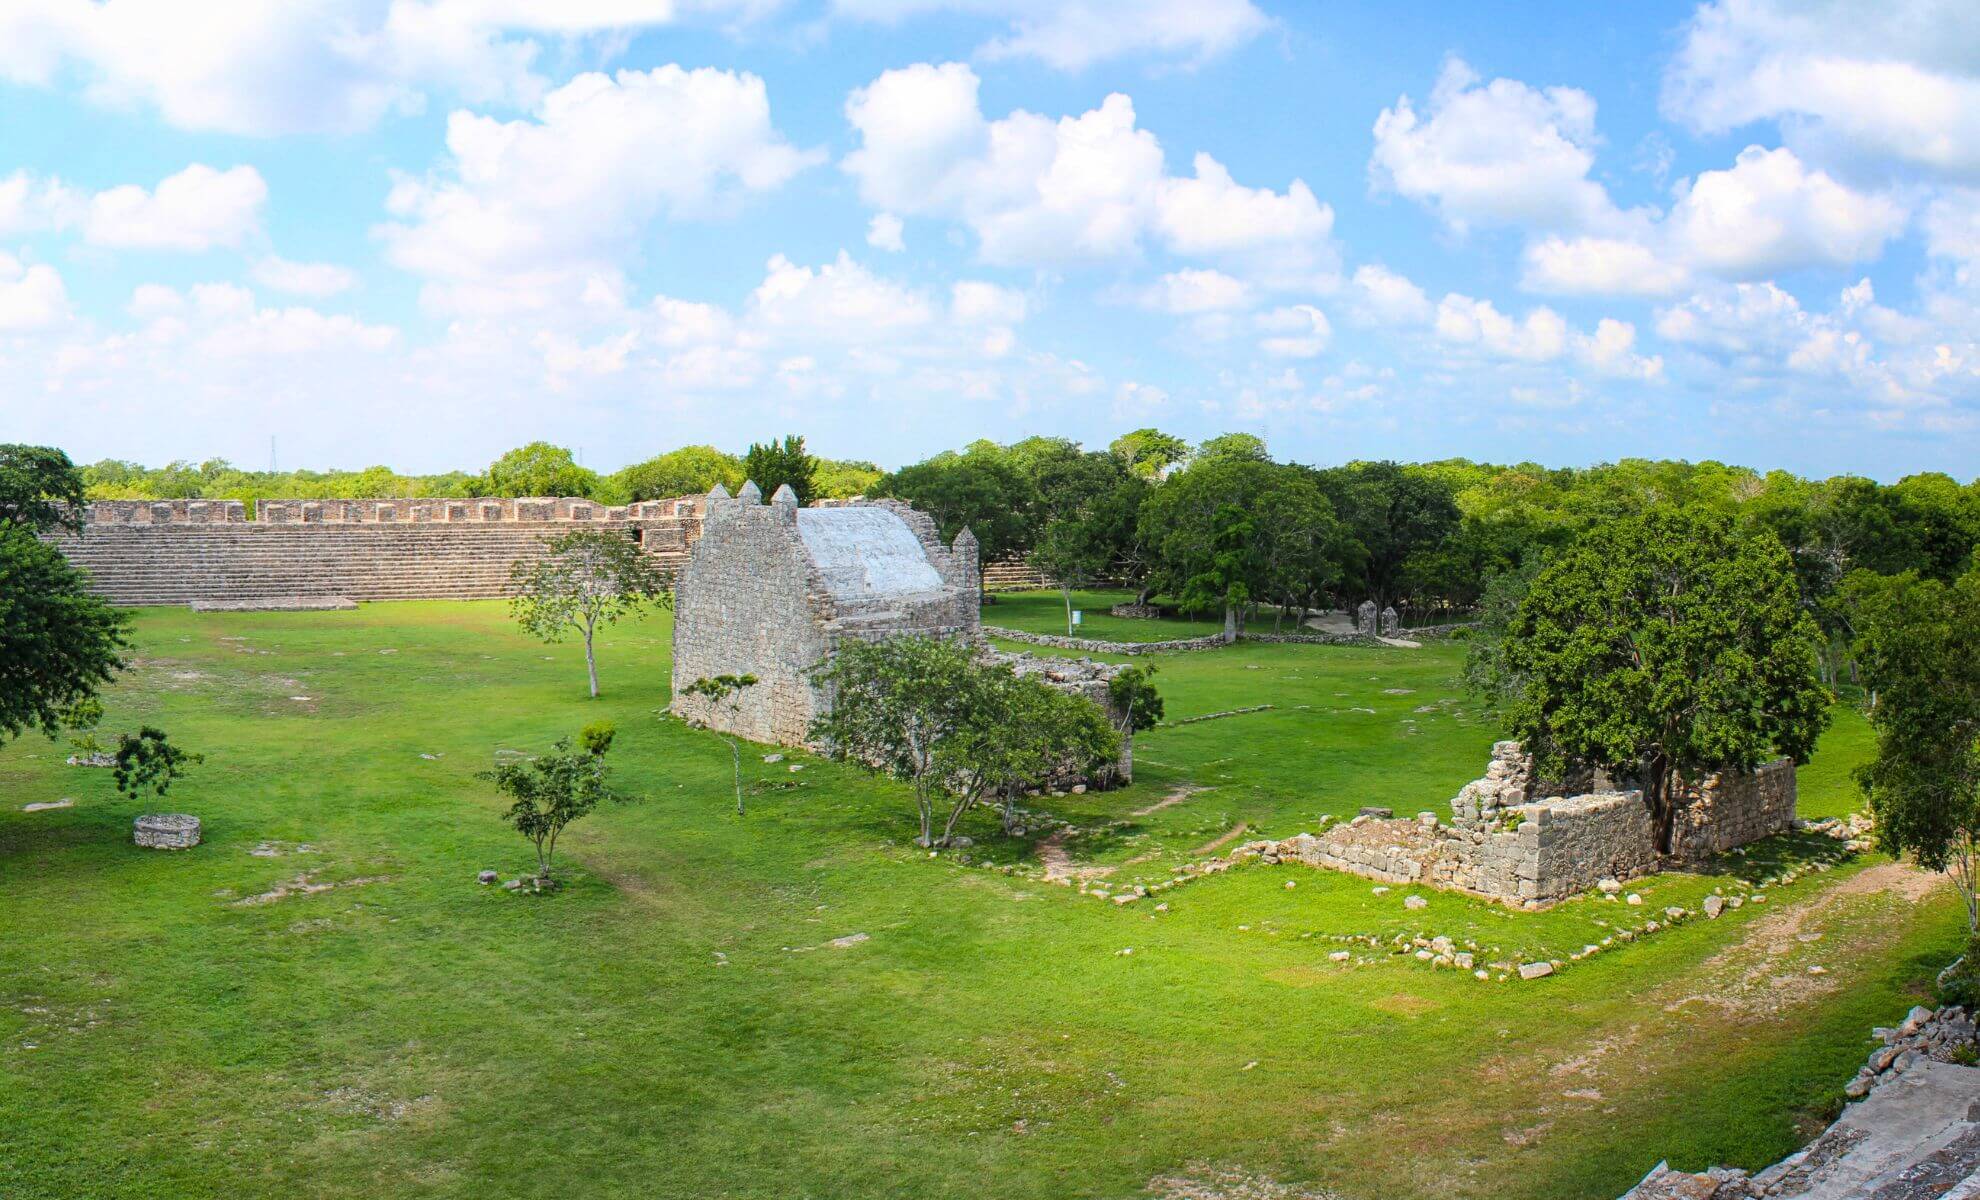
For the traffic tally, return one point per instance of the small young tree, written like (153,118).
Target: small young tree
(1919,649)
(1134,696)
(1663,647)
(895,703)
(586,578)
(552,790)
(1035,733)
(725,692)
(150,761)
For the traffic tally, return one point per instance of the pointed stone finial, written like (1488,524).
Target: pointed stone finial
(784,495)
(966,540)
(750,494)
(718,492)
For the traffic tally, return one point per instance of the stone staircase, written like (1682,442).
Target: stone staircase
(178,564)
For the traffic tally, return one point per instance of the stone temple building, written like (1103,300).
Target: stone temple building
(770,589)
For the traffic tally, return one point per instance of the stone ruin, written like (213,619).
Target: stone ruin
(770,589)
(166,831)
(208,552)
(1518,839)
(1365,619)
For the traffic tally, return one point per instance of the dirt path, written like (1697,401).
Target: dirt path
(1059,865)
(1211,847)
(1171,800)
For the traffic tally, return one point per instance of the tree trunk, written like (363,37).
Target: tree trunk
(735,762)
(1658,790)
(1066,593)
(1230,623)
(590,663)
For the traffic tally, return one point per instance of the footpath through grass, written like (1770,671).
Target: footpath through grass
(678,1022)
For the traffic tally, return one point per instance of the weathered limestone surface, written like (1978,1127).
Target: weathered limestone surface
(1527,841)
(770,589)
(166,831)
(183,551)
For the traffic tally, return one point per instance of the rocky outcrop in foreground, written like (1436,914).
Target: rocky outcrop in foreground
(1914,1135)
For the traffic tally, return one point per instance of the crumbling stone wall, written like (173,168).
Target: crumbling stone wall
(1090,680)
(180,551)
(1527,841)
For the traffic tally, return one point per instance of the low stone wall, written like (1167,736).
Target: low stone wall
(1524,841)
(1098,646)
(1726,811)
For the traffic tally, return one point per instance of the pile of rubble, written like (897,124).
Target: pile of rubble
(1942,1036)
(1858,831)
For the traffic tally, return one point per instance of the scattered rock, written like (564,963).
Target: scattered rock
(1632,898)
(1382,813)
(773,758)
(851,939)
(1415,902)
(45,805)
(1537,970)
(488,877)
(1339,956)
(1714,905)
(1609,887)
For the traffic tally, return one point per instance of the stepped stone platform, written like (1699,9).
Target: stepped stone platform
(277,604)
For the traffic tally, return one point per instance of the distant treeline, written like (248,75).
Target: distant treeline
(538,469)
(1222,526)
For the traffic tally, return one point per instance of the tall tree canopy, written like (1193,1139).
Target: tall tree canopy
(688,471)
(58,643)
(1396,513)
(1920,651)
(538,469)
(1149,453)
(783,464)
(980,491)
(1663,647)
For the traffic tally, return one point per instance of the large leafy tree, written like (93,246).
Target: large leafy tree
(957,729)
(1149,453)
(688,471)
(980,491)
(1664,647)
(780,464)
(1086,519)
(584,579)
(539,469)
(1397,513)
(58,643)
(1920,650)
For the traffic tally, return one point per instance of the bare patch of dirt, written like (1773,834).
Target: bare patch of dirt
(1169,801)
(1211,847)
(1204,1181)
(1059,865)
(302,885)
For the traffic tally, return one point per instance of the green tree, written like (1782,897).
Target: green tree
(1084,527)
(779,464)
(981,492)
(725,691)
(539,469)
(1235,447)
(1663,647)
(927,711)
(1920,651)
(585,578)
(550,791)
(1149,453)
(1396,513)
(842,479)
(688,471)
(1134,695)
(150,761)
(58,643)
(40,489)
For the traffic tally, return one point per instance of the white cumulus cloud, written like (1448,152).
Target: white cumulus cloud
(196,209)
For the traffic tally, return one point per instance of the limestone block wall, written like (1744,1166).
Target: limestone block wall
(1089,680)
(180,551)
(748,604)
(1730,810)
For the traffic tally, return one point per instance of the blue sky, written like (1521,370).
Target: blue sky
(419,232)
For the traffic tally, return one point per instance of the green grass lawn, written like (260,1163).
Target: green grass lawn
(1045,612)
(675,1023)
